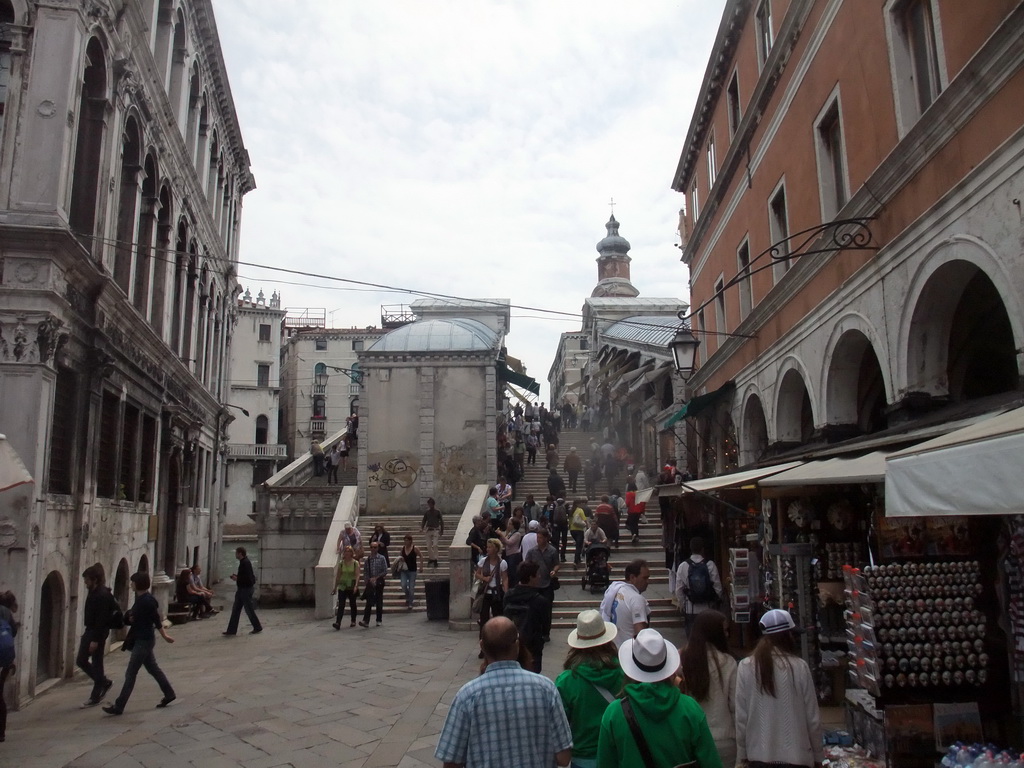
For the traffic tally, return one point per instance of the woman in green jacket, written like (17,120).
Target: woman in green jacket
(591,680)
(669,724)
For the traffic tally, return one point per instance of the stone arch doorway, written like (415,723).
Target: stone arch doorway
(171,515)
(49,645)
(855,390)
(754,438)
(144,564)
(122,593)
(960,342)
(795,417)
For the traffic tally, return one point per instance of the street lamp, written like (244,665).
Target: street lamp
(321,378)
(684,351)
(231,405)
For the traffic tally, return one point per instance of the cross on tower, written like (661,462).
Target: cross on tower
(611,204)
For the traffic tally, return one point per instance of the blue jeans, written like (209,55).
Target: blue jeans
(408,579)
(142,656)
(243,599)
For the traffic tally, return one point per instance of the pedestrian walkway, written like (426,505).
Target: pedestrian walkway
(299,694)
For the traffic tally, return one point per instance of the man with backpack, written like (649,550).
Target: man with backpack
(698,584)
(102,613)
(527,607)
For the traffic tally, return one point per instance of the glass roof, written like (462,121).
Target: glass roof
(441,335)
(657,330)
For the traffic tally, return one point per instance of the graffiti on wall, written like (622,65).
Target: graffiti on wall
(457,469)
(392,474)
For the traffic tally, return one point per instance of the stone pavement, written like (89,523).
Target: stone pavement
(299,694)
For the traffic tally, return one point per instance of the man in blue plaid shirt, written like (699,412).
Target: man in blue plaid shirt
(374,572)
(477,732)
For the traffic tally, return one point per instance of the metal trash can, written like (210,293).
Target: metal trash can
(438,593)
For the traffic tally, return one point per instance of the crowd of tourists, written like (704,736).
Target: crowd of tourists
(638,702)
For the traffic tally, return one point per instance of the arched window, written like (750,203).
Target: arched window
(162,42)
(128,205)
(192,116)
(147,234)
(6,17)
(319,407)
(356,380)
(319,368)
(262,430)
(180,279)
(178,52)
(89,143)
(163,263)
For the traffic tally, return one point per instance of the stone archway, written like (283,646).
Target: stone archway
(960,340)
(49,639)
(794,422)
(122,593)
(855,399)
(754,435)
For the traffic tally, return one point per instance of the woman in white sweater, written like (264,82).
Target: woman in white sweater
(709,676)
(777,717)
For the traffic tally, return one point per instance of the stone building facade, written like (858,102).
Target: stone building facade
(253,449)
(429,409)
(312,410)
(853,222)
(122,172)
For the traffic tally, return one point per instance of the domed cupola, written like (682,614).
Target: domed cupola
(613,264)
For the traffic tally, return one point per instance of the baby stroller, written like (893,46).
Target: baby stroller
(598,573)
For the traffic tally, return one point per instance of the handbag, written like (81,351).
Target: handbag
(554,583)
(641,742)
(478,597)
(398,566)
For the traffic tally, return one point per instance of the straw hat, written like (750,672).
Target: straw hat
(648,658)
(591,630)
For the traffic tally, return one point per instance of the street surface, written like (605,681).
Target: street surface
(299,694)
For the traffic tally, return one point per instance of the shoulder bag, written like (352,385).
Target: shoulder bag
(641,742)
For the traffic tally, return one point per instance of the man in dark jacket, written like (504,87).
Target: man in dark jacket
(527,608)
(145,620)
(556,486)
(99,609)
(245,581)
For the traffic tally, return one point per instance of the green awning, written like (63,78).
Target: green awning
(699,403)
(521,380)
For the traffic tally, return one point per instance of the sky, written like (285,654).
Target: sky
(466,148)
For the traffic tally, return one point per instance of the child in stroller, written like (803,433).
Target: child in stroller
(598,572)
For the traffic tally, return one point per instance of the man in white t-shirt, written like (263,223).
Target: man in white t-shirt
(624,604)
(530,539)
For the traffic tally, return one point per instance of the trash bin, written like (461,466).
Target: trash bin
(438,592)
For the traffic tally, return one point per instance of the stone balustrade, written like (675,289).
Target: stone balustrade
(257,450)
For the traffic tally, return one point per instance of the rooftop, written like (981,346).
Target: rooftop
(439,335)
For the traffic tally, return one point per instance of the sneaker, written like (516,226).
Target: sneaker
(112,709)
(228,634)
(91,703)
(256,631)
(336,625)
(364,623)
(165,701)
(380,623)
(353,623)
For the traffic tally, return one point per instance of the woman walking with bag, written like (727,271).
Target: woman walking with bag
(777,717)
(591,681)
(346,577)
(709,676)
(408,557)
(653,725)
(492,576)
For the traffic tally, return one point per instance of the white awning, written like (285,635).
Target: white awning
(630,376)
(976,470)
(645,495)
(648,377)
(836,471)
(12,470)
(735,479)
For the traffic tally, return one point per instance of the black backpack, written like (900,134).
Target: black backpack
(698,583)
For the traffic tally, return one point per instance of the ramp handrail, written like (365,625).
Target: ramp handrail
(461,565)
(347,511)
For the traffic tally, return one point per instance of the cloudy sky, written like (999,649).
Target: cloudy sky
(464,148)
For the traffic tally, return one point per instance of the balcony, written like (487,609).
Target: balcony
(319,389)
(318,426)
(257,451)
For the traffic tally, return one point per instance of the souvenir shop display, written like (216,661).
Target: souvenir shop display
(916,625)
(740,585)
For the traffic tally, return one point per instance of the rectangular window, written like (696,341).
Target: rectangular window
(63,431)
(720,307)
(733,96)
(831,162)
(694,205)
(916,57)
(321,345)
(107,456)
(778,226)
(744,288)
(129,453)
(357,345)
(702,328)
(763,23)
(712,161)
(263,375)
(264,331)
